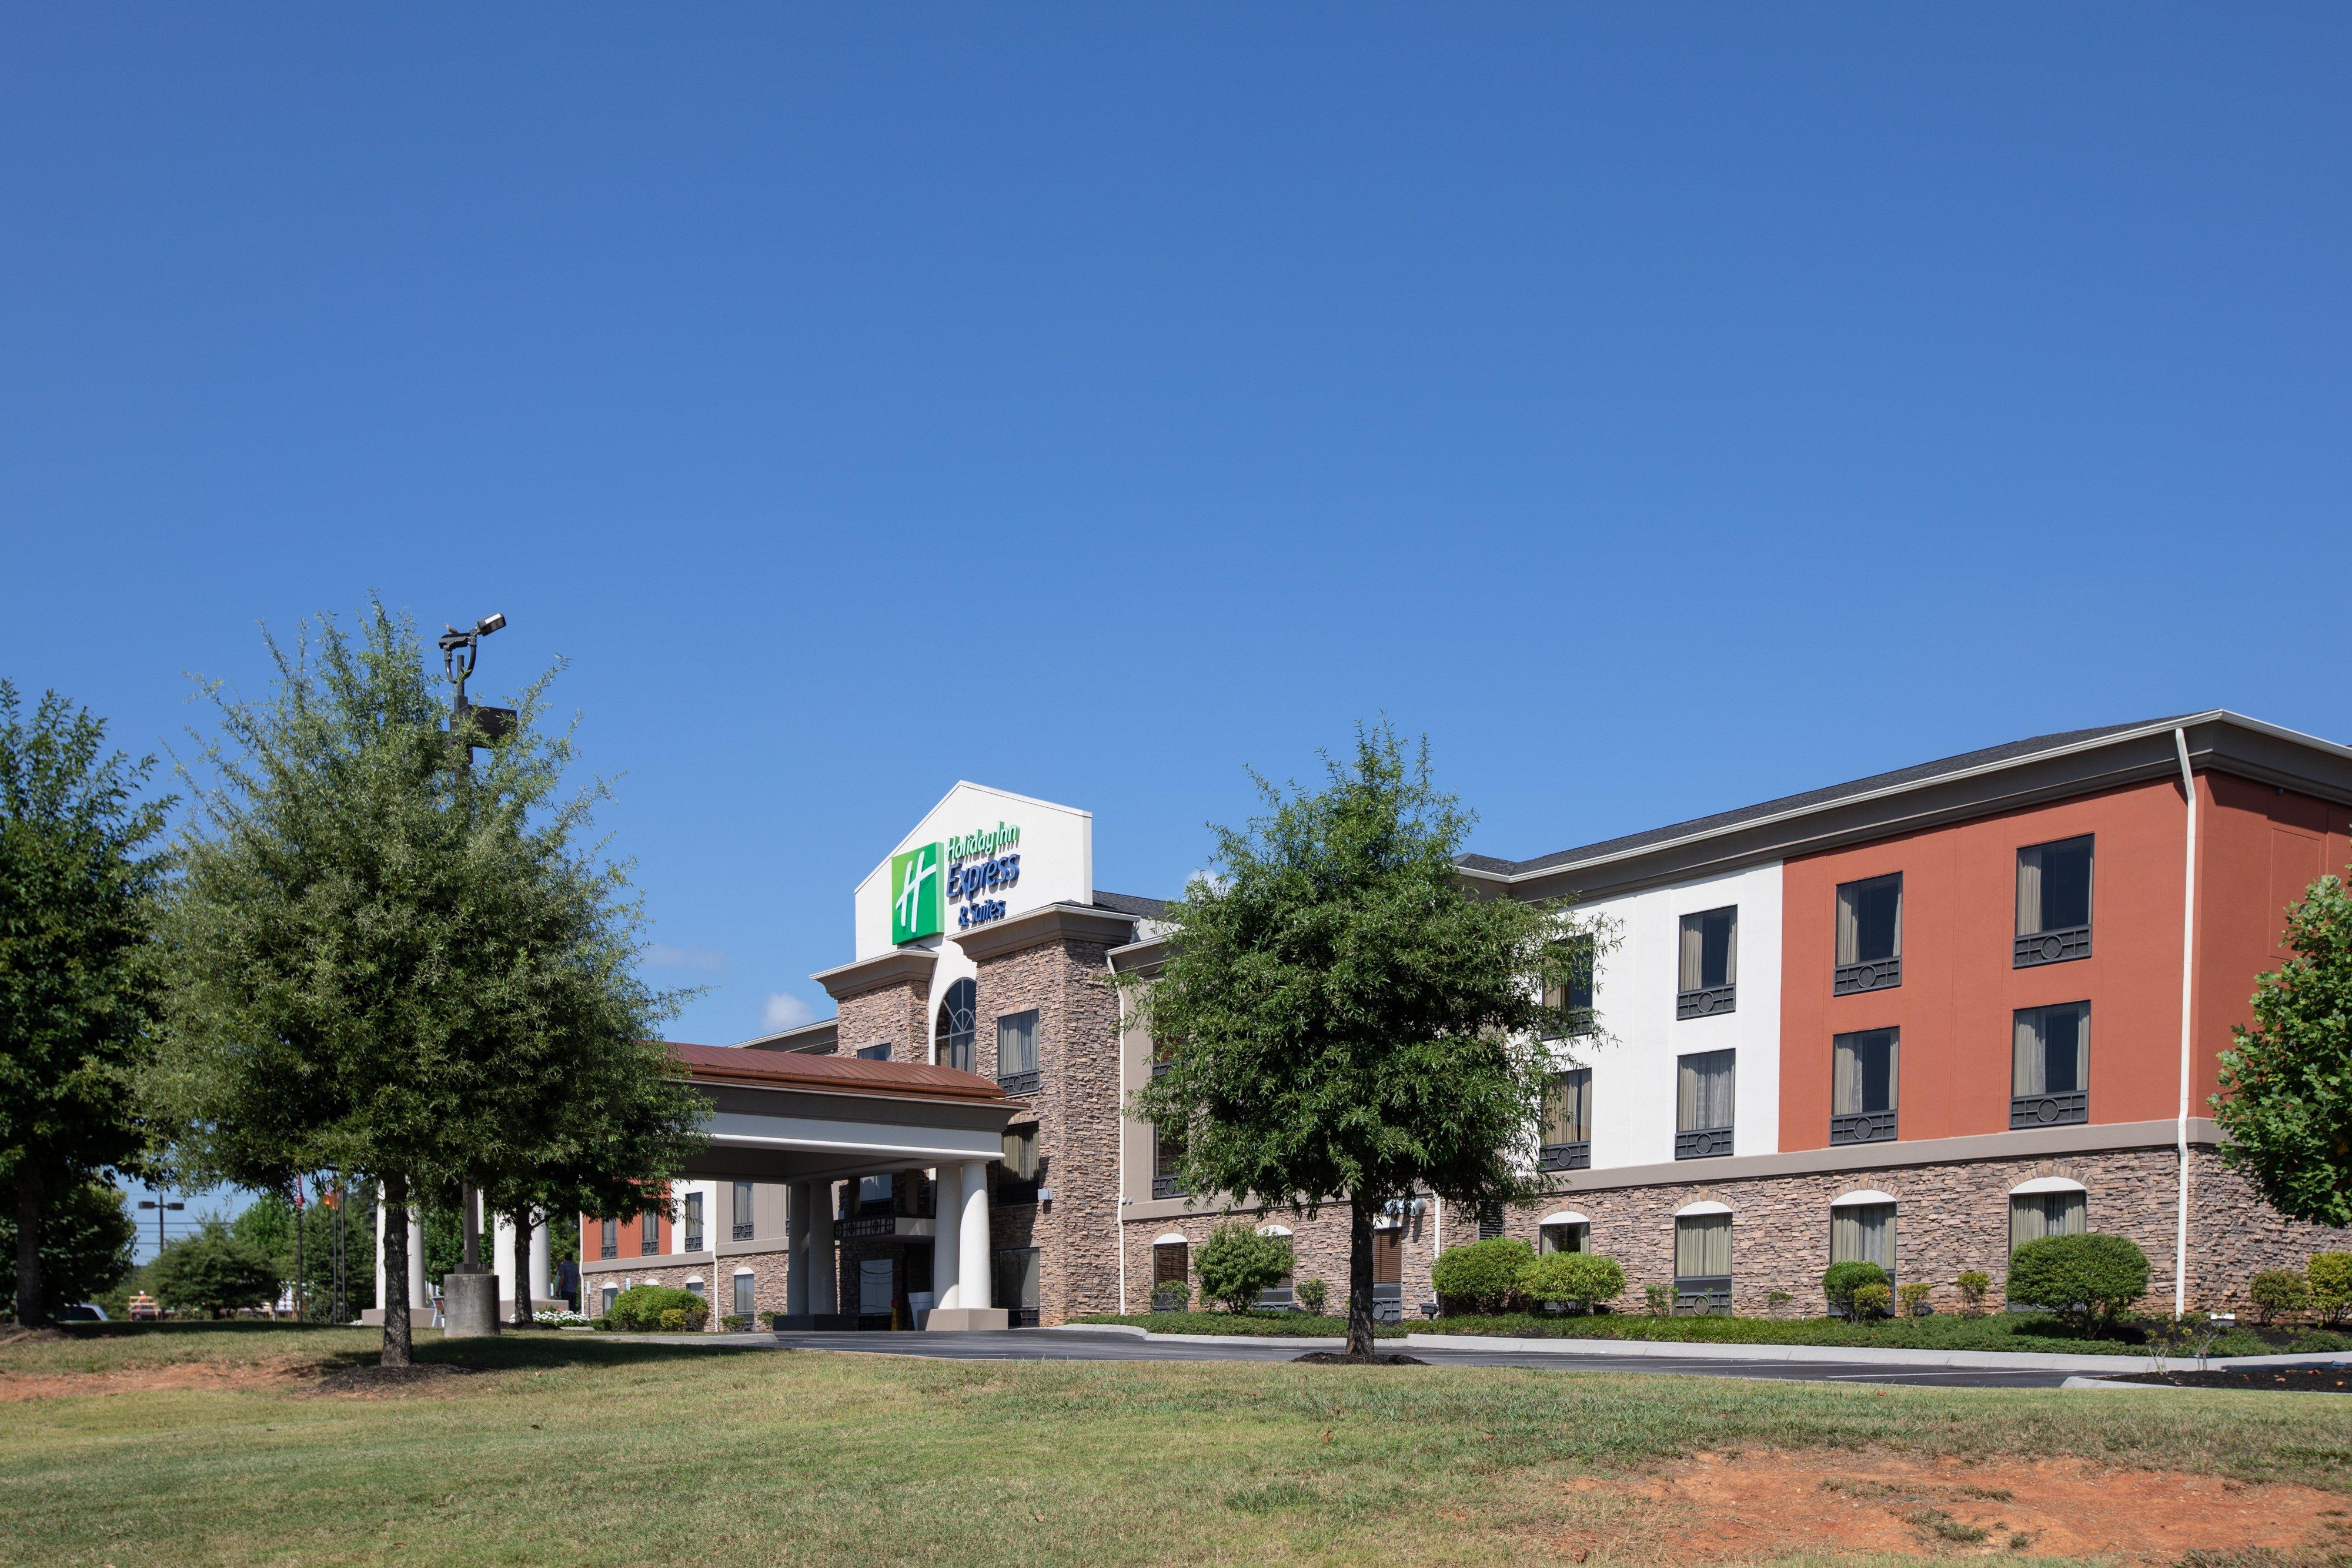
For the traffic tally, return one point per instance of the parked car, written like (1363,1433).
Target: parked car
(83,1312)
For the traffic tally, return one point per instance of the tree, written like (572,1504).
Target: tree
(1346,1020)
(78,887)
(388,964)
(85,1244)
(213,1271)
(2285,1101)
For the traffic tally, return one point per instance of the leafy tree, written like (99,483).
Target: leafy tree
(85,1244)
(213,1271)
(1235,1263)
(78,886)
(1580,1279)
(2285,1101)
(1345,1022)
(1482,1277)
(388,964)
(2087,1279)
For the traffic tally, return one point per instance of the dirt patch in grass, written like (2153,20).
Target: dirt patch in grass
(1718,1508)
(421,1377)
(282,1372)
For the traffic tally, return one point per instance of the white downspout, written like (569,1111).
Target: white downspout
(1118,1188)
(2188,972)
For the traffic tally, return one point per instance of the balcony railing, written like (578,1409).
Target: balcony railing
(866,1225)
(743,1230)
(1702,1294)
(2048,1110)
(1703,1144)
(1017,1082)
(1706,1003)
(1862,1127)
(1871,975)
(1576,1156)
(694,1242)
(1581,1021)
(2053,946)
(1159,1069)
(1166,1187)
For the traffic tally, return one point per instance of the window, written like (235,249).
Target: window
(2054,902)
(951,1041)
(1864,1233)
(878,1287)
(877,1195)
(1017,1279)
(743,1297)
(2050,1066)
(874,1053)
(1710,964)
(1565,1236)
(1016,1052)
(1869,935)
(1704,1096)
(694,1288)
(649,1234)
(2034,1215)
(1862,1086)
(606,1297)
(1490,1221)
(1018,1181)
(1567,1123)
(1702,1262)
(694,1222)
(1166,1152)
(1282,1295)
(1571,990)
(1172,1263)
(742,1226)
(608,1239)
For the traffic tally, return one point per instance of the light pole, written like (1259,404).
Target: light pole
(159,1206)
(458,651)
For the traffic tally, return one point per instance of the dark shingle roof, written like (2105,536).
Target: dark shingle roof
(1130,903)
(1811,797)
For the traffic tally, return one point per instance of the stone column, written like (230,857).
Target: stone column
(973,1285)
(796,1248)
(947,1246)
(824,1296)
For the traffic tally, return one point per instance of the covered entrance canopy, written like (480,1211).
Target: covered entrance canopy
(809,1121)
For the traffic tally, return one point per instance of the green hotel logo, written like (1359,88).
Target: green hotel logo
(916,904)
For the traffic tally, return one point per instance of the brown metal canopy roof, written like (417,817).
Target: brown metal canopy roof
(832,1074)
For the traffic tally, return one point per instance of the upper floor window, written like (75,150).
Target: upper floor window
(1567,1123)
(1705,1092)
(1018,1184)
(649,1233)
(2050,1066)
(742,1226)
(694,1222)
(1862,1086)
(1167,1154)
(608,1239)
(952,1039)
(1490,1221)
(2054,901)
(1710,964)
(1570,990)
(1016,1052)
(877,1195)
(873,1054)
(1869,934)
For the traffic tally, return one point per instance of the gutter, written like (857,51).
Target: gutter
(1119,1156)
(2187,977)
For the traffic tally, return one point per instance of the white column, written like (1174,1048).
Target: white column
(502,1255)
(420,1288)
(975,1289)
(947,1246)
(542,1269)
(824,1299)
(797,1200)
(380,1299)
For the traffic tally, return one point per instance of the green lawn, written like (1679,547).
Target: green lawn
(568,1447)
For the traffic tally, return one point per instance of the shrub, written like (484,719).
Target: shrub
(1776,1303)
(1170,1295)
(735,1322)
(2279,1292)
(1481,1278)
(1974,1287)
(1840,1281)
(1912,1297)
(211,1272)
(2087,1279)
(1872,1301)
(1556,1279)
(1314,1295)
(639,1309)
(2330,1276)
(1658,1301)
(673,1319)
(1235,1263)
(2318,1342)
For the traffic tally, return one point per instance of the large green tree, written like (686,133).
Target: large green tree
(77,890)
(85,1244)
(1344,1019)
(2286,1099)
(389,965)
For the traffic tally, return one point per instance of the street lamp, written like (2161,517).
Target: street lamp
(458,652)
(159,1207)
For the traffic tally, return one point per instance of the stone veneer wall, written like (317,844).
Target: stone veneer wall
(891,1015)
(1076,1106)
(1319,1248)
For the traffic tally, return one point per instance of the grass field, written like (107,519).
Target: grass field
(198,1445)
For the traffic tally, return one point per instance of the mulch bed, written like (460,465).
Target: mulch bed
(2302,1379)
(390,1379)
(1340,1358)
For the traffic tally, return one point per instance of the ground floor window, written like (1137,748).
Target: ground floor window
(1018,1279)
(2034,1215)
(1282,1292)
(1490,1221)
(606,1298)
(1702,1262)
(1172,1263)
(1864,1233)
(743,1295)
(1564,1236)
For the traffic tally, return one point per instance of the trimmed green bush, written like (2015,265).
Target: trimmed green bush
(735,1322)
(1658,1301)
(1235,1263)
(1313,1296)
(672,1320)
(1974,1286)
(1872,1301)
(2279,1292)
(1171,1295)
(1912,1297)
(2087,1279)
(639,1309)
(1840,1281)
(2330,1277)
(1483,1277)
(1585,1279)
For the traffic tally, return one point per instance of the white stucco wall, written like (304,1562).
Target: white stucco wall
(1633,997)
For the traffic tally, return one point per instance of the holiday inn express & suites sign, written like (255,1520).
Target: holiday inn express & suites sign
(964,872)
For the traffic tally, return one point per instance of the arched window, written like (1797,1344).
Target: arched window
(951,1039)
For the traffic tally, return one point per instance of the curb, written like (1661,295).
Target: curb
(1869,1355)
(2079,1384)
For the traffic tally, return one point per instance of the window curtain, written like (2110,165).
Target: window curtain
(1564,1239)
(1845,1083)
(1703,1246)
(2033,1216)
(1703,1091)
(1849,935)
(742,1203)
(2029,891)
(2029,1073)
(1864,1233)
(1016,1044)
(1693,945)
(1020,1154)
(1569,1121)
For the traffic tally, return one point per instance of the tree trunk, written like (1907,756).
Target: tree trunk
(521,1220)
(1359,1275)
(396,1264)
(299,1214)
(30,1310)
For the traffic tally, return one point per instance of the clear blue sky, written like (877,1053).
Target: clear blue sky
(1662,408)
